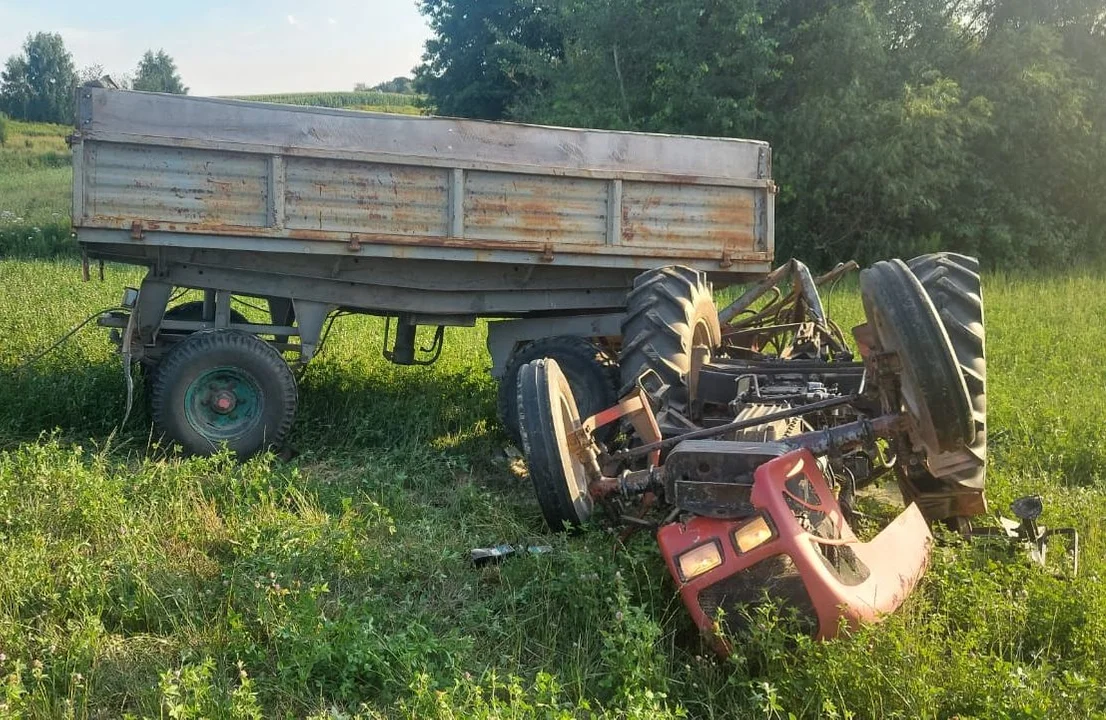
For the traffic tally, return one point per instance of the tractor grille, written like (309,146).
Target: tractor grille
(840,560)
(775,579)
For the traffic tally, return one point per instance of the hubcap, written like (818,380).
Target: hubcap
(223,403)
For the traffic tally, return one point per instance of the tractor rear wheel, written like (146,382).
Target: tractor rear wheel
(953,285)
(590,372)
(547,418)
(931,388)
(669,311)
(223,386)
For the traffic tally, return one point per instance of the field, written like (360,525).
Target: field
(353,100)
(35,172)
(135,582)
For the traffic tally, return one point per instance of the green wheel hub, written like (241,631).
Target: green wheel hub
(223,403)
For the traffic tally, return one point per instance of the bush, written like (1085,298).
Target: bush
(3,129)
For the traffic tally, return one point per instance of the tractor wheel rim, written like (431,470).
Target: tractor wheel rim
(574,469)
(700,336)
(223,403)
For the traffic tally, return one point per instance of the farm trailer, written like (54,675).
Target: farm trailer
(424,221)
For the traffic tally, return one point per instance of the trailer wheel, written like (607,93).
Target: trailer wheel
(590,372)
(547,415)
(669,311)
(953,285)
(223,386)
(192,311)
(931,387)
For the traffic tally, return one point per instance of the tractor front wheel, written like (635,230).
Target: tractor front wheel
(931,389)
(590,372)
(548,418)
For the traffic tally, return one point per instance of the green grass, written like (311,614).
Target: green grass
(139,582)
(35,178)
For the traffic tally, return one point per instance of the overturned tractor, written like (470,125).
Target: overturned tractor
(742,436)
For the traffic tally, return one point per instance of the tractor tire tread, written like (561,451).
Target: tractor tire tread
(953,284)
(661,311)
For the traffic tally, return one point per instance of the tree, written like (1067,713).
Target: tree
(158,73)
(705,77)
(400,84)
(38,85)
(477,64)
(898,127)
(89,73)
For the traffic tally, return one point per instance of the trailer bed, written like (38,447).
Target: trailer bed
(164,171)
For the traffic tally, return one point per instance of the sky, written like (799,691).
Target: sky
(233,47)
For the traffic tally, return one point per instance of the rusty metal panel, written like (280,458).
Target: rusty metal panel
(177,185)
(536,208)
(167,171)
(445,142)
(688,217)
(343,196)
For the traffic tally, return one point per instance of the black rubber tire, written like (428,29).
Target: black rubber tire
(194,310)
(545,410)
(905,322)
(591,373)
(669,310)
(953,285)
(209,349)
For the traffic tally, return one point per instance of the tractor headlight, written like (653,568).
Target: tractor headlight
(699,560)
(753,534)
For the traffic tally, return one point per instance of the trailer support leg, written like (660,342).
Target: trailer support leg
(403,352)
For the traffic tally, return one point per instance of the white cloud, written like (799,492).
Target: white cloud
(331,21)
(292,20)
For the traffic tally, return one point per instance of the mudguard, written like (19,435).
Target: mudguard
(800,552)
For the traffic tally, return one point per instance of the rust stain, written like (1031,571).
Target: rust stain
(399,241)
